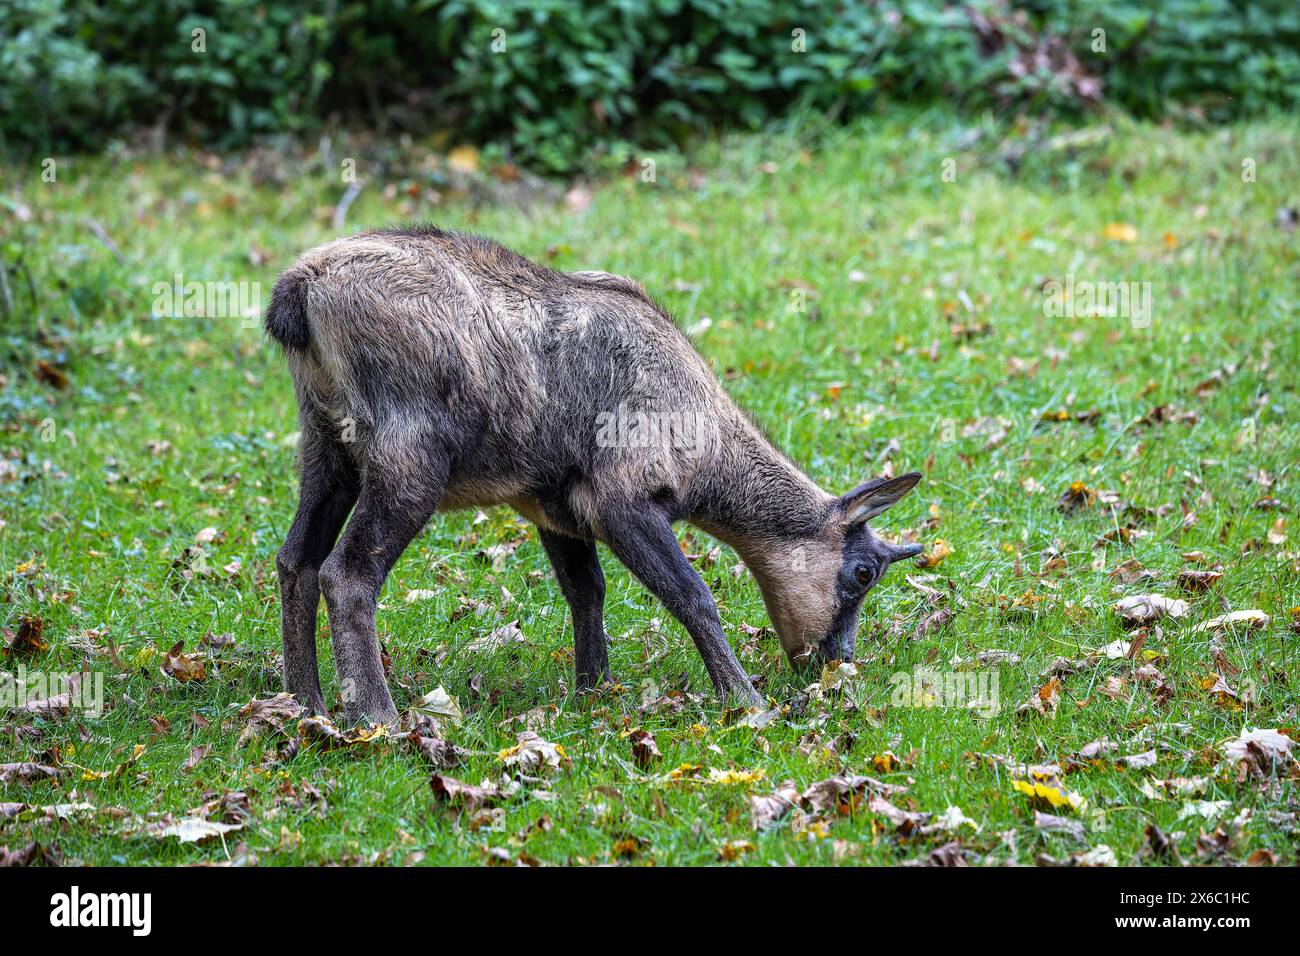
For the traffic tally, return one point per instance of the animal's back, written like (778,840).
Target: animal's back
(424,335)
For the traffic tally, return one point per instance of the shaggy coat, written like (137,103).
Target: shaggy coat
(437,371)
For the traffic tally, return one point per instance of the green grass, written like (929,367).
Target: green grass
(95,518)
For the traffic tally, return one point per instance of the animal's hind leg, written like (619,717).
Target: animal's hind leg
(327,490)
(578,570)
(390,512)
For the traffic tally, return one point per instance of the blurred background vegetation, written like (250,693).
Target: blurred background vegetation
(555,84)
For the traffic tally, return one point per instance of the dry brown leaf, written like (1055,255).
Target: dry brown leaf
(27,641)
(1261,751)
(463,796)
(27,772)
(441,754)
(268,714)
(1198,580)
(183,667)
(644,749)
(767,811)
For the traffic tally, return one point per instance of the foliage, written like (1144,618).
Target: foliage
(554,78)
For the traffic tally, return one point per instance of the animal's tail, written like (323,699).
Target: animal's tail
(286,319)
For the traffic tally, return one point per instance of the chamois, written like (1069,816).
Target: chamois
(435,371)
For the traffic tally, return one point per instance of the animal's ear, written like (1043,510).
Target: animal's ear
(876,496)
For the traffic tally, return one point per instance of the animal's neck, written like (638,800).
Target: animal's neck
(752,494)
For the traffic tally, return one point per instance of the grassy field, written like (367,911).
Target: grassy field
(876,307)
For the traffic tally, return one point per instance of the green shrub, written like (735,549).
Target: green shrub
(573,75)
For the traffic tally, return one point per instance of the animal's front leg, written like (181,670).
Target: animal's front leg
(577,568)
(381,527)
(641,536)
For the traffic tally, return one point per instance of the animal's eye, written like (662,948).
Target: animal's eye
(863,574)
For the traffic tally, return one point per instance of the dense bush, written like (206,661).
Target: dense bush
(552,78)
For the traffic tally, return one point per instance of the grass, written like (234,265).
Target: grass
(924,343)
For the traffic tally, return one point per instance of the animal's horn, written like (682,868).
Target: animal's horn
(899,552)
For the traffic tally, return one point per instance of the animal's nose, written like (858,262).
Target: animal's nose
(833,648)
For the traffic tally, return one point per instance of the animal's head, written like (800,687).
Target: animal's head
(813,586)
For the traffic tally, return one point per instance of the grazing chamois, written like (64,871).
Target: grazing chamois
(437,371)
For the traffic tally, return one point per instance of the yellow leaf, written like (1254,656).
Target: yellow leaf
(885,762)
(1053,797)
(1120,232)
(734,849)
(938,551)
(735,777)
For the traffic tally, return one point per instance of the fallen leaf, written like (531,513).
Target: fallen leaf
(501,637)
(462,796)
(268,714)
(532,754)
(1053,797)
(935,554)
(439,704)
(884,762)
(192,829)
(841,793)
(1052,823)
(27,641)
(59,705)
(440,754)
(322,732)
(735,777)
(1261,751)
(1247,620)
(1044,701)
(950,821)
(464,159)
(182,667)
(27,773)
(1076,497)
(644,749)
(197,755)
(767,811)
(1198,580)
(1145,608)
(904,822)
(837,675)
(734,849)
(1100,855)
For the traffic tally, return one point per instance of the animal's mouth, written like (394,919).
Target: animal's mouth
(802,657)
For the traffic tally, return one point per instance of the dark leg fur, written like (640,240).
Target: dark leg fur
(383,524)
(328,489)
(583,583)
(642,538)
